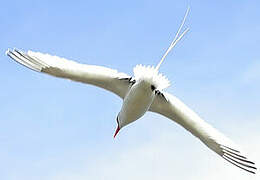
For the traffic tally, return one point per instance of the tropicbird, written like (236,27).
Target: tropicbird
(141,93)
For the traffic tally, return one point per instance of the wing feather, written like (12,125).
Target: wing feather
(171,107)
(103,77)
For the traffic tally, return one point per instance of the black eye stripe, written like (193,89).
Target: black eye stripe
(153,87)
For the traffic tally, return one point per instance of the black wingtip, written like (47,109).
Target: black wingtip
(238,158)
(240,163)
(250,171)
(230,148)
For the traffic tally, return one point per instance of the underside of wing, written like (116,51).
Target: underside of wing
(103,77)
(171,107)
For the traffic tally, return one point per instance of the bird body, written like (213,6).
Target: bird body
(141,93)
(136,102)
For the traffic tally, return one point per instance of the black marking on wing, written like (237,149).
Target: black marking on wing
(226,153)
(128,78)
(131,80)
(234,157)
(239,166)
(153,87)
(225,150)
(159,93)
(25,60)
(230,148)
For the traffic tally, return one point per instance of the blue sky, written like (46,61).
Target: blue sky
(57,129)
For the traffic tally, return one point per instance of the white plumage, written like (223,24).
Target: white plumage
(141,93)
(150,73)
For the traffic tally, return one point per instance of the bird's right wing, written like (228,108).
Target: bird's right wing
(171,107)
(103,77)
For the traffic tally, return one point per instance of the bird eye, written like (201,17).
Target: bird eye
(152,87)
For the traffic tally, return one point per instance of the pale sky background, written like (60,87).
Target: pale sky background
(55,129)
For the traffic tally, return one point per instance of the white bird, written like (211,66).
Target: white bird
(141,93)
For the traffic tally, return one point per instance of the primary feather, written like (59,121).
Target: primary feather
(103,77)
(176,110)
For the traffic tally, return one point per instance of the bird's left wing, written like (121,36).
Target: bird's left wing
(103,77)
(171,107)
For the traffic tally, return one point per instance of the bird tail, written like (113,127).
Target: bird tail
(176,39)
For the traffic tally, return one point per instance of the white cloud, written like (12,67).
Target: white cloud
(169,153)
(162,158)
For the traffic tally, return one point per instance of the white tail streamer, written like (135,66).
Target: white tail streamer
(176,39)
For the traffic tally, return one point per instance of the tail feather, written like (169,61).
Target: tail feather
(176,39)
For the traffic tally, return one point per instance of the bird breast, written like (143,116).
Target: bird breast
(137,101)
